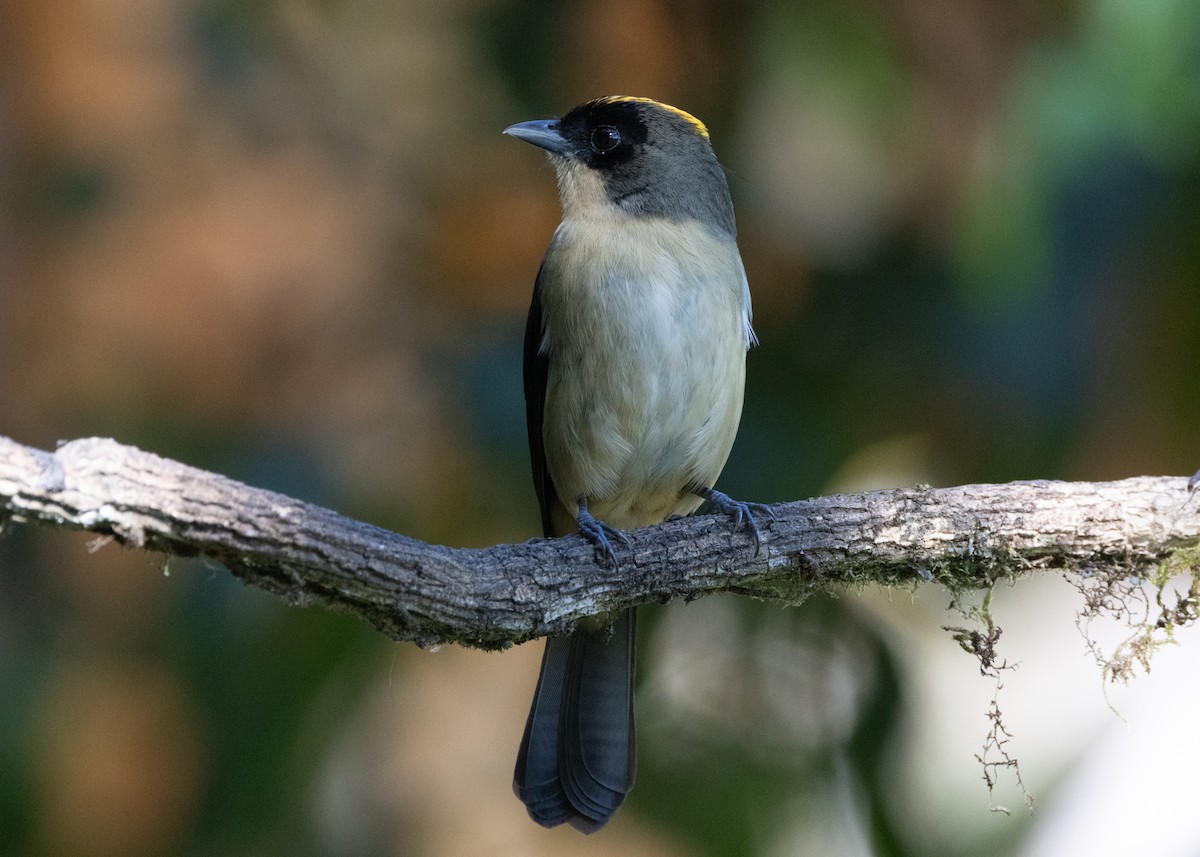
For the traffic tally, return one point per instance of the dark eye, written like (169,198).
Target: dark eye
(605,139)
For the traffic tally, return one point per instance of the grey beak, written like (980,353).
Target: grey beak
(542,133)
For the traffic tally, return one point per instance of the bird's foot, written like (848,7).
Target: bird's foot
(739,510)
(600,535)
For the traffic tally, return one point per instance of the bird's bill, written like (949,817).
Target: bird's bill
(542,133)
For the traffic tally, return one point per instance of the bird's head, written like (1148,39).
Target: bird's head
(633,156)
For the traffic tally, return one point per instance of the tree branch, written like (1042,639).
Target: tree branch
(965,537)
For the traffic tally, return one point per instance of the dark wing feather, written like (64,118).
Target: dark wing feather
(537,369)
(576,761)
(536,780)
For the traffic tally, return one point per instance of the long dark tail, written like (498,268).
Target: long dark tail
(577,758)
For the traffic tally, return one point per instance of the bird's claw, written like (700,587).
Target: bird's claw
(740,511)
(599,534)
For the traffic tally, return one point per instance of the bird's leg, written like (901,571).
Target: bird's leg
(737,509)
(598,533)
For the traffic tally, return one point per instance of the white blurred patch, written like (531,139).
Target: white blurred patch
(827,178)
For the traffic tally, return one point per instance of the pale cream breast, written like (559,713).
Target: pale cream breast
(647,343)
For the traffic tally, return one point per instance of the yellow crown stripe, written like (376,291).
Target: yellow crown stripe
(683,114)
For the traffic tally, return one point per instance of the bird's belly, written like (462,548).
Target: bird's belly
(645,409)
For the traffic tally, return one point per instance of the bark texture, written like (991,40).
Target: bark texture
(964,537)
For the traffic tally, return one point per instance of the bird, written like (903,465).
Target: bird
(634,373)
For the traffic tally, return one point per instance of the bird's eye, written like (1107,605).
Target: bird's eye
(605,139)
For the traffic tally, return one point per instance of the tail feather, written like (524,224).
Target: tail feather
(577,757)
(536,778)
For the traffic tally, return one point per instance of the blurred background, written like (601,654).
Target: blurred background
(284,240)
